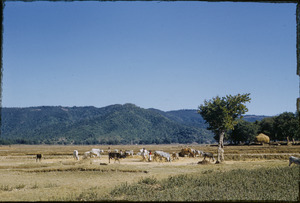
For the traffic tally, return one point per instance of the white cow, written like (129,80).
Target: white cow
(75,155)
(93,153)
(87,154)
(129,153)
(199,153)
(96,152)
(162,155)
(294,160)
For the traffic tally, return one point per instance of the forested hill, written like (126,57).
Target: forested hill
(115,124)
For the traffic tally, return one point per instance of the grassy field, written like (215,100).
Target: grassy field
(249,173)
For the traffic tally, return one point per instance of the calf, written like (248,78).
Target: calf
(38,157)
(116,156)
(294,160)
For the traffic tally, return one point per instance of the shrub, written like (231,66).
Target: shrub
(5,188)
(20,186)
(149,181)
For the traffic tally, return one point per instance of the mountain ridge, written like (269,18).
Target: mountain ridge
(113,124)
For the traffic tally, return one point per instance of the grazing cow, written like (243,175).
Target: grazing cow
(86,155)
(93,153)
(294,160)
(129,153)
(209,155)
(198,153)
(187,151)
(162,155)
(96,152)
(38,157)
(116,156)
(75,155)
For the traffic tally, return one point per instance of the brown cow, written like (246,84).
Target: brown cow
(116,156)
(187,151)
(39,157)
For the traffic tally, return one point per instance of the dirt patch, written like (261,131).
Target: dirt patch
(204,162)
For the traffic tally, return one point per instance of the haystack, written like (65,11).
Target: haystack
(262,138)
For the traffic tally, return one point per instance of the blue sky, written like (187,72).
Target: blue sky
(164,55)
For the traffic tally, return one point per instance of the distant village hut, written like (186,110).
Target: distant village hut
(262,138)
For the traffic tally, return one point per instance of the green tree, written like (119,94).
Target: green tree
(266,126)
(221,115)
(286,125)
(244,131)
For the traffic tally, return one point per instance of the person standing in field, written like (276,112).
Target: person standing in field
(150,154)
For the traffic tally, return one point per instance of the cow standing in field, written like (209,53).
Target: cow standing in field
(187,151)
(38,157)
(86,155)
(209,155)
(116,156)
(75,155)
(294,160)
(93,153)
(162,155)
(129,153)
(96,152)
(198,153)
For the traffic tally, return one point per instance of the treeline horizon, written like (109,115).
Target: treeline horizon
(130,124)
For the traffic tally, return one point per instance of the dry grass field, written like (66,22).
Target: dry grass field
(59,177)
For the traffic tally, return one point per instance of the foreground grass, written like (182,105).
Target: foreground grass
(280,183)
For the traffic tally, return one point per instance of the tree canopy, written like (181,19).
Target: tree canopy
(221,115)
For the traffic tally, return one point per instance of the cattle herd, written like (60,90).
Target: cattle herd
(148,155)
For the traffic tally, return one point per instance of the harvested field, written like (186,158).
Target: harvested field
(59,177)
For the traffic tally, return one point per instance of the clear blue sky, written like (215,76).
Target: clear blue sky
(164,55)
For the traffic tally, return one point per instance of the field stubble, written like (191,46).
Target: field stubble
(59,177)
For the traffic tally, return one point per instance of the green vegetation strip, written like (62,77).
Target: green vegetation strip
(280,183)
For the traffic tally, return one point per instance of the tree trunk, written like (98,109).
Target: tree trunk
(220,157)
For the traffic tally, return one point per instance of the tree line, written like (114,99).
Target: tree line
(278,128)
(223,116)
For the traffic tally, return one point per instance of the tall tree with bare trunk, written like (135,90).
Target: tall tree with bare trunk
(221,115)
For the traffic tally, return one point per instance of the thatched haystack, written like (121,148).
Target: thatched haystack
(262,138)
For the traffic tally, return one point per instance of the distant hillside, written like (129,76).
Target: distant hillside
(115,124)
(253,118)
(186,117)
